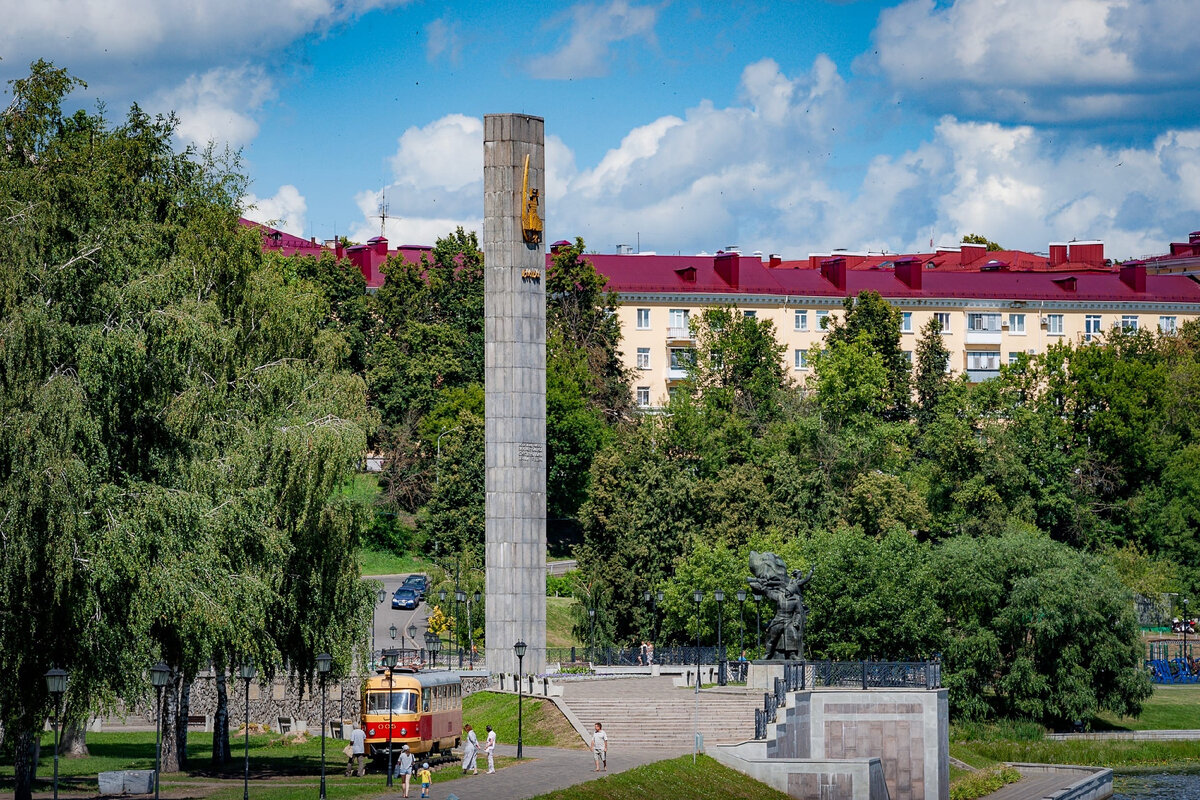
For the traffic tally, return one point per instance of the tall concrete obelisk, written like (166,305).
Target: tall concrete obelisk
(515,389)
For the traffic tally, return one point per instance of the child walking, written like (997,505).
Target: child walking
(426,779)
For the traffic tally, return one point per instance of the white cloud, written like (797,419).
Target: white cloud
(1037,61)
(592,32)
(443,41)
(217,106)
(286,210)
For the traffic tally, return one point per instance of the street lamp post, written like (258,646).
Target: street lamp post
(389,661)
(758,620)
(160,676)
(247,674)
(592,634)
(392,633)
(519,649)
(471,629)
(459,597)
(433,644)
(741,597)
(324,662)
(56,684)
(697,596)
(412,634)
(719,596)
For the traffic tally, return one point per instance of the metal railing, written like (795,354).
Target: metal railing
(634,657)
(857,674)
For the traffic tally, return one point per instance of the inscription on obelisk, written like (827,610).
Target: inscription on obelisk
(515,389)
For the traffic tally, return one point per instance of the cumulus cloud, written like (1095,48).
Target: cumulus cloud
(592,31)
(1032,61)
(286,210)
(218,105)
(758,174)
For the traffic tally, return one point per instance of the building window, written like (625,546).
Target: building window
(822,320)
(1054,324)
(1014,356)
(801,359)
(643,319)
(749,314)
(677,320)
(802,320)
(1129,323)
(1091,327)
(1167,325)
(643,358)
(906,322)
(682,358)
(643,396)
(983,323)
(908,356)
(1016,323)
(983,360)
(943,317)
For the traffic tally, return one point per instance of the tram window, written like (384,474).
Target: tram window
(425,701)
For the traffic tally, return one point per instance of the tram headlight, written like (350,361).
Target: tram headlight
(404,731)
(371,732)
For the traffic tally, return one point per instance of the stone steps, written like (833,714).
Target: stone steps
(652,712)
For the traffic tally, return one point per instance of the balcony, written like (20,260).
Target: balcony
(677,374)
(980,375)
(676,333)
(982,337)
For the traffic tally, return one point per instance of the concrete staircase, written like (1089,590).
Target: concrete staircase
(652,713)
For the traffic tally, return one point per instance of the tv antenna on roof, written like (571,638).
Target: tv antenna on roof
(383,213)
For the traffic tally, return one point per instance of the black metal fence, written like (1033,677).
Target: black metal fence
(801,675)
(634,656)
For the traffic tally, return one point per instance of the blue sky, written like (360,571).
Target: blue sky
(785,127)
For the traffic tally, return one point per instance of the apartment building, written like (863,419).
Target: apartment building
(988,317)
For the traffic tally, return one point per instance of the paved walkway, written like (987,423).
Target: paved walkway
(545,769)
(1033,787)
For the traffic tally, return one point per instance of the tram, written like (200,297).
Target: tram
(425,711)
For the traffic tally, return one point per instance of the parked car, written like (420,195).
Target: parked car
(418,583)
(406,598)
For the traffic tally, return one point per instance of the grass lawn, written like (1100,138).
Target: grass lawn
(559,622)
(542,725)
(377,562)
(1173,707)
(676,779)
(281,768)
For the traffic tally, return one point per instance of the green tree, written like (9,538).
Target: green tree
(873,321)
(932,371)
(975,238)
(738,368)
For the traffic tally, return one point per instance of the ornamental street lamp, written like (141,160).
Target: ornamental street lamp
(460,597)
(247,674)
(324,662)
(56,684)
(389,661)
(433,644)
(160,676)
(719,596)
(519,649)
(592,633)
(697,597)
(471,629)
(741,596)
(758,619)
(442,608)
(412,634)
(392,633)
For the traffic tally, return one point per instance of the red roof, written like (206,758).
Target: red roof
(670,274)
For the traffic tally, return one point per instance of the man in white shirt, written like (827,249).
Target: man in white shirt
(600,748)
(358,752)
(489,747)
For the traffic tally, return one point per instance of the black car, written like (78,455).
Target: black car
(406,598)
(418,583)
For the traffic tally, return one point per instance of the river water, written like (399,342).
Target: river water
(1161,786)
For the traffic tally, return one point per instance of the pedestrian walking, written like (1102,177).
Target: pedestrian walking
(490,748)
(358,752)
(404,767)
(600,749)
(470,751)
(426,779)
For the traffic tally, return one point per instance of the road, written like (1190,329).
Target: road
(385,617)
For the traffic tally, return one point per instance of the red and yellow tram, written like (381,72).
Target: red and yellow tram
(425,711)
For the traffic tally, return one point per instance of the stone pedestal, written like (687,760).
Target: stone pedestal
(514,393)
(762,675)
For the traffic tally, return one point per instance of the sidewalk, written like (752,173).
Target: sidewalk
(543,770)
